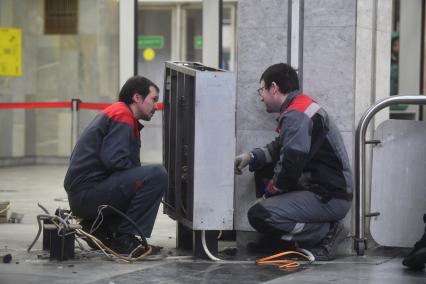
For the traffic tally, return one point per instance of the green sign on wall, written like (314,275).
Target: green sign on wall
(151,42)
(198,42)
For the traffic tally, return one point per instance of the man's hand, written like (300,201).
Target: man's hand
(241,161)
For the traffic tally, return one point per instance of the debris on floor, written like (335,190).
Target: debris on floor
(7,258)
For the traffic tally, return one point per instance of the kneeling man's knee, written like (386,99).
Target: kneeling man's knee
(257,216)
(260,219)
(159,172)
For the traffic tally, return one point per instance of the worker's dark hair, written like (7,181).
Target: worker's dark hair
(283,75)
(135,84)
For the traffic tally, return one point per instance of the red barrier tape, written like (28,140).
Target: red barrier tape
(159,106)
(92,105)
(81,105)
(35,105)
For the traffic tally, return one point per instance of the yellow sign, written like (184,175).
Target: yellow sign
(149,54)
(10,52)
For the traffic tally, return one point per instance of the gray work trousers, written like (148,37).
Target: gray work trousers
(137,192)
(299,216)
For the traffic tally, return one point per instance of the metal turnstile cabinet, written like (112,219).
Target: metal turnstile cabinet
(199,147)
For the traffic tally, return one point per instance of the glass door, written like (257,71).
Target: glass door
(154,47)
(173,31)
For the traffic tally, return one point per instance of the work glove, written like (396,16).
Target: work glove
(241,161)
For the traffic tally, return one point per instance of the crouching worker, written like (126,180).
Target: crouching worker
(105,169)
(303,175)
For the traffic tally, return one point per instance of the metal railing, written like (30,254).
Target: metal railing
(360,181)
(74,105)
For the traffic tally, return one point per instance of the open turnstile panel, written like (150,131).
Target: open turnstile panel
(398,190)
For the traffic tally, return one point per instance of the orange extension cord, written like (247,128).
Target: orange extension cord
(282,263)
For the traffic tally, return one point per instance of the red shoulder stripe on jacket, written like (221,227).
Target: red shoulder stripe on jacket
(300,103)
(119,112)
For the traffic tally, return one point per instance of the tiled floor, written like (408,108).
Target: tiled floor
(24,187)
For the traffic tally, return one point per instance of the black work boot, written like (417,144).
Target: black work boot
(101,233)
(416,259)
(131,246)
(327,248)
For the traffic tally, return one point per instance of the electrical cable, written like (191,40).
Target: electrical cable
(43,208)
(220,234)
(38,234)
(284,263)
(46,217)
(80,245)
(206,249)
(94,227)
(309,254)
(281,263)
(63,224)
(106,249)
(139,230)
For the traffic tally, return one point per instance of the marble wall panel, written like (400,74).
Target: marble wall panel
(365,93)
(384,17)
(363,72)
(251,112)
(257,49)
(348,139)
(363,14)
(245,197)
(262,13)
(382,89)
(328,71)
(329,13)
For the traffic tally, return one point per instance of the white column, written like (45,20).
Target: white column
(293,48)
(295,38)
(127,39)
(211,33)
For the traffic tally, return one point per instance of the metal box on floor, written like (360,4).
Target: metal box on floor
(199,145)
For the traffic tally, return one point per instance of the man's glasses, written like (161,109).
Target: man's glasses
(260,90)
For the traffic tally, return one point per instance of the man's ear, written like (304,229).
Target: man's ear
(136,97)
(274,88)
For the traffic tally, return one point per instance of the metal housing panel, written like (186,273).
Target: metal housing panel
(214,151)
(399,183)
(199,145)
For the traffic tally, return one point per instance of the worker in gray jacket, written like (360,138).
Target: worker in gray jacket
(105,169)
(303,176)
